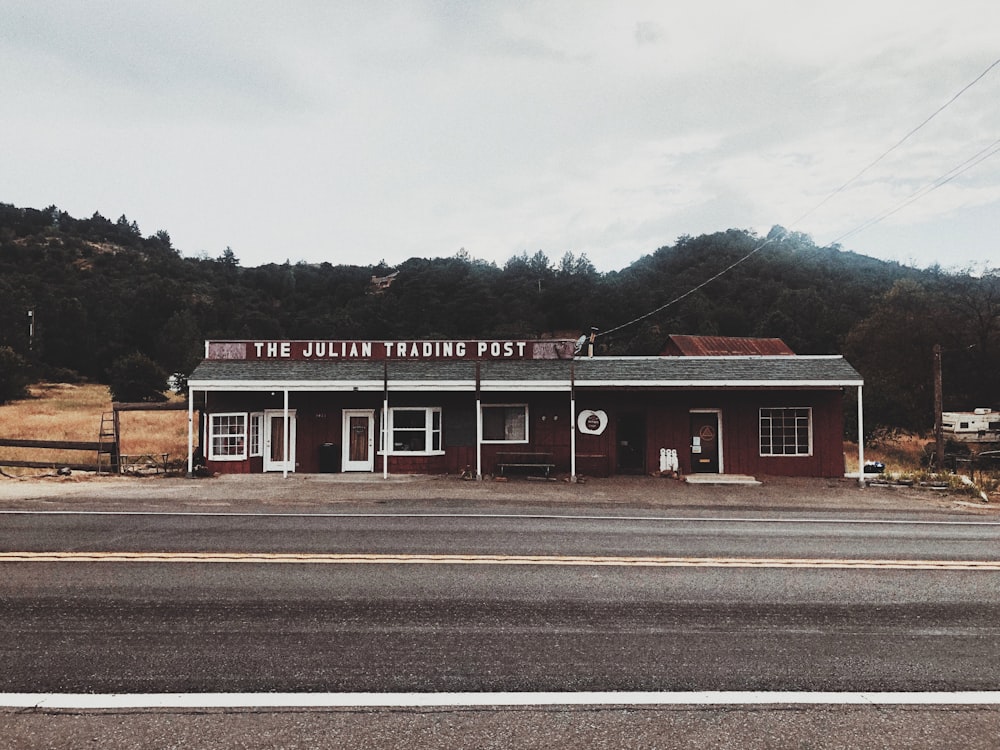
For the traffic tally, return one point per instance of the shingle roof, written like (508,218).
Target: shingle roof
(677,371)
(603,372)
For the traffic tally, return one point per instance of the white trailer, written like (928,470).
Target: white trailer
(977,426)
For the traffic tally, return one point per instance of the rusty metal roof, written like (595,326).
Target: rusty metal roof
(722,346)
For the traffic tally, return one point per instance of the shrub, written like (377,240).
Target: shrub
(136,377)
(15,374)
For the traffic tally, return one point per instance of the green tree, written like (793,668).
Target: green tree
(136,377)
(892,349)
(15,374)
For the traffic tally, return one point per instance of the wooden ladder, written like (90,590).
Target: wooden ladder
(108,443)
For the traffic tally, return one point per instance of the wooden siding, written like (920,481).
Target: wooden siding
(666,415)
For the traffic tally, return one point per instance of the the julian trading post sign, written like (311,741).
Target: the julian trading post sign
(390,350)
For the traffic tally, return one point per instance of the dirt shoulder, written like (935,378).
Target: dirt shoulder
(315,492)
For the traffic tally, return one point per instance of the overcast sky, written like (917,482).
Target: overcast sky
(352,132)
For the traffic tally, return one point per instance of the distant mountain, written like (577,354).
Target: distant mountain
(100,290)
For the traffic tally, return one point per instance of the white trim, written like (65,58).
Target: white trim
(369,463)
(255,416)
(288,438)
(861,439)
(557,386)
(760,451)
(293,385)
(572,438)
(479,438)
(548,386)
(288,454)
(390,449)
(190,410)
(527,424)
(242,455)
(730,384)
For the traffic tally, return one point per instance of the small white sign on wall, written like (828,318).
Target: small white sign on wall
(592,421)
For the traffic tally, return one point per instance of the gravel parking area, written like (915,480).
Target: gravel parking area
(317,491)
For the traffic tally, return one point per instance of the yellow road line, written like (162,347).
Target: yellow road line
(565,560)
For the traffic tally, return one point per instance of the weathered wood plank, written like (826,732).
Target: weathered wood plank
(56,465)
(66,445)
(143,406)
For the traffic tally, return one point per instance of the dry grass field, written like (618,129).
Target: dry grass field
(902,454)
(64,411)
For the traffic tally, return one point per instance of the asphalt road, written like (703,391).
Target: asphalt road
(396,625)
(706,611)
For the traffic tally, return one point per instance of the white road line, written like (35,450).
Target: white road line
(87,701)
(505,516)
(271,558)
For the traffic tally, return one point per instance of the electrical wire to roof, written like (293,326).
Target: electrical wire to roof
(688,293)
(969,163)
(899,143)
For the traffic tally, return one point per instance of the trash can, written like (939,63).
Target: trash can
(329,458)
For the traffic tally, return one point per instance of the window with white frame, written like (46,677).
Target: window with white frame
(415,429)
(256,429)
(505,423)
(786,431)
(227,437)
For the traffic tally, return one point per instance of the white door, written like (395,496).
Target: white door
(274,441)
(359,440)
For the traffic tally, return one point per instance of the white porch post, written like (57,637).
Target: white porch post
(190,472)
(479,425)
(572,437)
(384,422)
(479,437)
(384,430)
(572,422)
(284,462)
(861,439)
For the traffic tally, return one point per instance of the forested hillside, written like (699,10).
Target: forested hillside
(100,290)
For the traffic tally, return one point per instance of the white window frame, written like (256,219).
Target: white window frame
(527,424)
(214,433)
(431,434)
(255,436)
(797,449)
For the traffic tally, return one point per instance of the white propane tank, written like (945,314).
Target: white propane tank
(664,460)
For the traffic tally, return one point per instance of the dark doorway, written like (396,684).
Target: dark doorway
(705,442)
(631,438)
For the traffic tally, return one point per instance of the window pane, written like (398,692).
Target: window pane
(413,418)
(416,430)
(505,423)
(228,436)
(785,432)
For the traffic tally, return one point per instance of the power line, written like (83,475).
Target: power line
(688,293)
(900,142)
(944,179)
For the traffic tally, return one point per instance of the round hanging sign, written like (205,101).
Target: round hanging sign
(592,422)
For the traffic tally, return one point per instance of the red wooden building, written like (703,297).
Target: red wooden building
(486,407)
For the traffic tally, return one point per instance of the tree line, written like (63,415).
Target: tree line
(101,292)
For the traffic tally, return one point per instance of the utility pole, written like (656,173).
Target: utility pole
(938,408)
(31,329)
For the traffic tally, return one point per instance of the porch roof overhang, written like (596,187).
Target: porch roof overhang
(553,376)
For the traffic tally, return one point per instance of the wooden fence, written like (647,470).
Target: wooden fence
(65,445)
(106,449)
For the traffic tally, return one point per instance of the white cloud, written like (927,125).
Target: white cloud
(352,132)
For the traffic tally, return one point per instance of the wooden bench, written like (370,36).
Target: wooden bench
(526,460)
